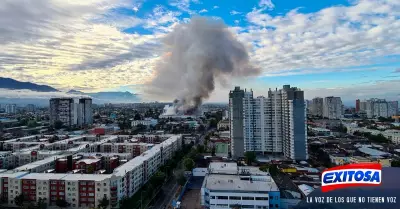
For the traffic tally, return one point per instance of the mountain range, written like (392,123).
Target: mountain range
(8,83)
(98,97)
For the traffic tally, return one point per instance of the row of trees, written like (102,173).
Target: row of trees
(154,185)
(373,138)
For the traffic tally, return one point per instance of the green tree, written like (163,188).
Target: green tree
(200,148)
(19,200)
(103,203)
(32,124)
(41,204)
(213,151)
(58,124)
(61,203)
(265,168)
(189,164)
(250,157)
(395,163)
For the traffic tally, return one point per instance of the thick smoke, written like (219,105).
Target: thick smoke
(198,54)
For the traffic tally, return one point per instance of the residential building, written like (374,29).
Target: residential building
(275,124)
(71,113)
(223,125)
(85,112)
(363,106)
(145,122)
(64,110)
(317,106)
(11,108)
(30,108)
(393,108)
(86,190)
(236,98)
(357,105)
(227,185)
(332,107)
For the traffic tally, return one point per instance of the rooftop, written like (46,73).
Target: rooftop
(234,183)
(372,152)
(223,168)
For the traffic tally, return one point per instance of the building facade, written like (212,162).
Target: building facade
(236,98)
(274,124)
(64,110)
(332,108)
(231,186)
(71,113)
(317,106)
(85,112)
(11,108)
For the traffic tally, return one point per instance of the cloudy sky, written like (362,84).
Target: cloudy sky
(332,47)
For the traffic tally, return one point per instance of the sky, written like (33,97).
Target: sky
(340,48)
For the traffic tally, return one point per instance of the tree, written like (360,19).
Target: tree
(19,200)
(213,151)
(395,163)
(265,168)
(32,124)
(103,203)
(61,203)
(189,164)
(41,204)
(250,157)
(201,128)
(58,124)
(137,117)
(200,148)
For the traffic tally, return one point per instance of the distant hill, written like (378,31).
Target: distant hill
(98,97)
(8,83)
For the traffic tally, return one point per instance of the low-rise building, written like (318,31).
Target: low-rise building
(226,185)
(223,125)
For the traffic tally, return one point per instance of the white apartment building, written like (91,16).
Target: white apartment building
(317,106)
(145,122)
(332,108)
(71,113)
(393,108)
(275,124)
(11,108)
(375,108)
(86,190)
(226,185)
(85,111)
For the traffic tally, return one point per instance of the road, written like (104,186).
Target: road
(170,187)
(168,192)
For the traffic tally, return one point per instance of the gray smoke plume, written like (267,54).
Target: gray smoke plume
(197,55)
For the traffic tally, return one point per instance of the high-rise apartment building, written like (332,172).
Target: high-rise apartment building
(11,108)
(357,105)
(393,108)
(30,108)
(64,110)
(375,108)
(333,108)
(317,106)
(85,111)
(236,98)
(275,124)
(71,113)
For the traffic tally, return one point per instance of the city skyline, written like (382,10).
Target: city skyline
(348,49)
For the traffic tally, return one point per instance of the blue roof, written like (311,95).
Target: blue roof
(372,152)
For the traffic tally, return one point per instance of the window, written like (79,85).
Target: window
(222,197)
(247,198)
(234,198)
(276,205)
(261,198)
